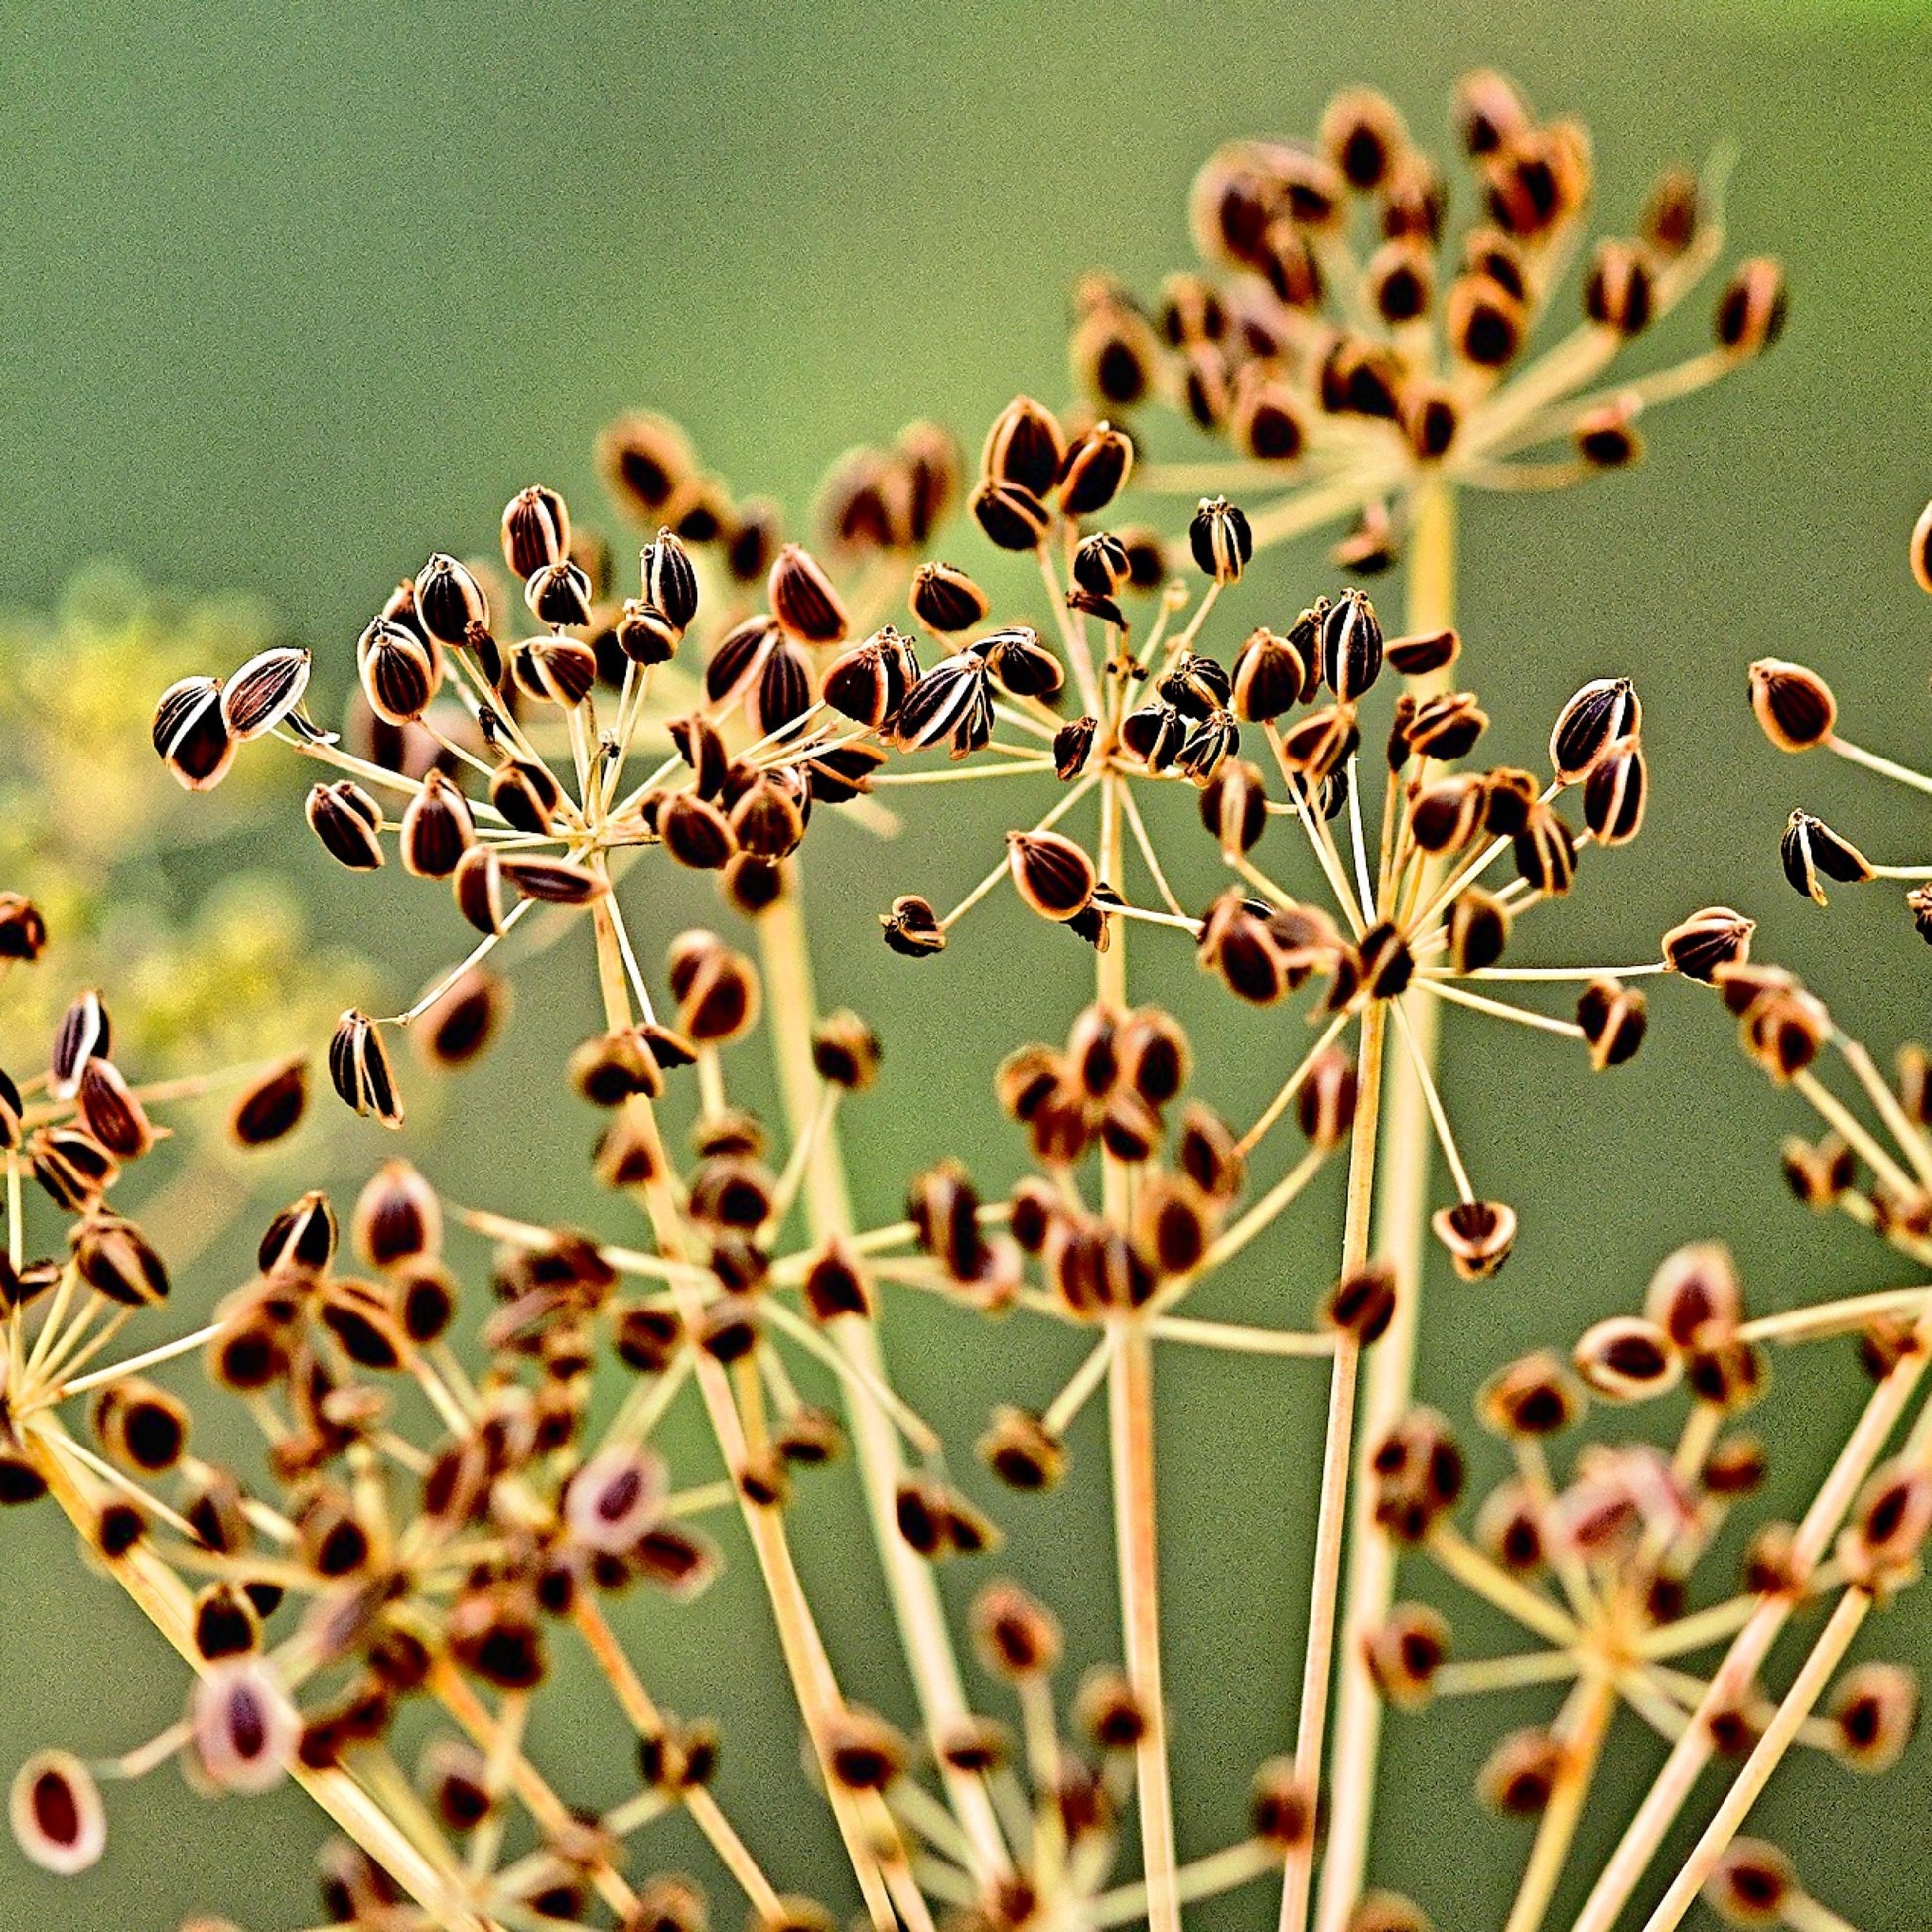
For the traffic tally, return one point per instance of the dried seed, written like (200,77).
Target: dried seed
(86,1028)
(115,1258)
(1098,464)
(1025,447)
(437,829)
(57,1817)
(912,927)
(347,821)
(1478,928)
(1616,794)
(1617,289)
(1017,1636)
(451,605)
(1751,310)
(1628,1359)
(803,598)
(243,1725)
(191,736)
(717,989)
(527,795)
(1752,1883)
(1810,848)
(1708,940)
(1614,1017)
(1362,1303)
(783,691)
(1220,539)
(1478,1236)
(1404,1653)
(1521,1772)
(1794,705)
(945,599)
(1486,323)
(555,671)
(536,530)
(1604,713)
(1874,1708)
(1013,518)
(272,1107)
(951,701)
(358,1069)
(264,691)
(398,674)
(111,1112)
(556,882)
(1546,852)
(1020,663)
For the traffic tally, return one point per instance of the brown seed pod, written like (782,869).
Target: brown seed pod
(1478,1235)
(271,1107)
(191,738)
(1706,940)
(536,530)
(59,1821)
(437,829)
(1875,1710)
(263,692)
(358,1069)
(1614,1018)
(1052,875)
(1025,447)
(527,795)
(1752,1883)
(1606,712)
(1751,309)
(398,672)
(1017,1637)
(346,820)
(1794,705)
(1533,1396)
(803,598)
(1404,1653)
(1520,1774)
(111,1111)
(912,927)
(717,989)
(1628,1359)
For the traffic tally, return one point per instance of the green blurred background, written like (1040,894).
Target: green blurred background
(292,296)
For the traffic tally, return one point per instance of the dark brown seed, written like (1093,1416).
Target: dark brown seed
(451,605)
(86,1028)
(272,1107)
(845,1052)
(1012,517)
(527,795)
(1616,794)
(536,530)
(912,927)
(1531,1397)
(1617,289)
(1628,1359)
(1751,309)
(556,882)
(645,460)
(803,598)
(1363,1304)
(346,819)
(1025,447)
(1220,539)
(560,595)
(1614,1017)
(1708,940)
(1794,705)
(479,887)
(111,1112)
(1096,469)
(437,829)
(945,599)
(1020,663)
(114,1257)
(784,692)
(695,832)
(1604,713)
(358,1069)
(1050,873)
(192,736)
(1270,675)
(670,580)
(1478,1236)
(399,676)
(1484,321)
(264,691)
(1811,850)
(555,671)
(1017,1636)
(1546,852)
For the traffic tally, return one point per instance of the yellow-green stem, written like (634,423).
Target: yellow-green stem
(1402,1216)
(917,1605)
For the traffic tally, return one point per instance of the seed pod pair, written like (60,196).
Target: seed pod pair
(358,1069)
(1220,539)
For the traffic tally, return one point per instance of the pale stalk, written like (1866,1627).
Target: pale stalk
(1807,1688)
(920,1615)
(165,1601)
(1693,1752)
(810,1669)
(1402,1219)
(1130,1410)
(1557,1830)
(1324,1602)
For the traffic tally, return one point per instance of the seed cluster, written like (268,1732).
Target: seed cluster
(463,1416)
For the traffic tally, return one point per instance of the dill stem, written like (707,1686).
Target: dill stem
(1555,1832)
(1130,1412)
(922,1617)
(1402,1215)
(164,1599)
(1324,1603)
(806,1661)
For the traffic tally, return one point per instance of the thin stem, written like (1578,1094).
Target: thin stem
(1324,1598)
(1857,754)
(1402,1213)
(1556,1829)
(1806,1689)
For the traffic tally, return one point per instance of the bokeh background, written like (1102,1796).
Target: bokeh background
(291,296)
